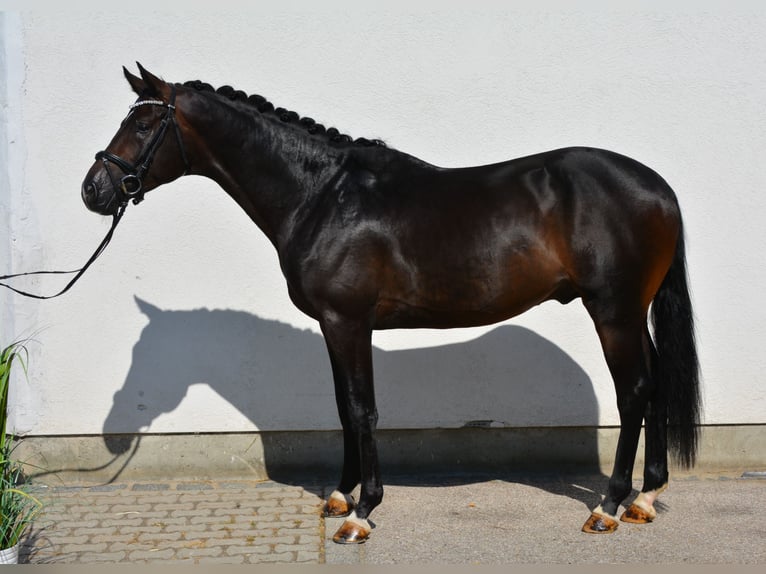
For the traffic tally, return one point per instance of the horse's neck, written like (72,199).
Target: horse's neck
(269,170)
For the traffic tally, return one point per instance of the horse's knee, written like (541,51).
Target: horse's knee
(362,421)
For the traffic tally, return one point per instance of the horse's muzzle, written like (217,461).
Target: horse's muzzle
(97,199)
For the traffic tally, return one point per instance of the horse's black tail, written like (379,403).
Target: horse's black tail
(678,366)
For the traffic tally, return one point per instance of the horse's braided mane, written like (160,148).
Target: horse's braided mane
(263,106)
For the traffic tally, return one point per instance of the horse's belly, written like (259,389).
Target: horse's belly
(465,305)
(395,315)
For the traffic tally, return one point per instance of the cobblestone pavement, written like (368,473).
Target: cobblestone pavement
(714,519)
(194,522)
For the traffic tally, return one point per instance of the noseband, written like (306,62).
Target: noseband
(131,185)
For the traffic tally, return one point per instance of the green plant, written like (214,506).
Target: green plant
(15,352)
(17,506)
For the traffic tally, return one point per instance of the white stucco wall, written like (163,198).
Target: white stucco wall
(184,325)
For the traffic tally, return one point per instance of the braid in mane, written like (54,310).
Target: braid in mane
(263,106)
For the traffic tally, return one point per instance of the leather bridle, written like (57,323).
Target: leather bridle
(131,184)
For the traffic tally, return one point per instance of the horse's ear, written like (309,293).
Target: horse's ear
(138,85)
(154,84)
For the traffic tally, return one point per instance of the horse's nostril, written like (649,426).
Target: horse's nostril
(89,190)
(89,194)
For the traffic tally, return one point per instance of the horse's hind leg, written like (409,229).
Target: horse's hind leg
(642,509)
(621,336)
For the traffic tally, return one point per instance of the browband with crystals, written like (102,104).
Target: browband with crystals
(145,102)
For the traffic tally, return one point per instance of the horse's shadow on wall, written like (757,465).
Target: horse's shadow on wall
(279,377)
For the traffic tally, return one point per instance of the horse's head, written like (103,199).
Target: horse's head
(142,155)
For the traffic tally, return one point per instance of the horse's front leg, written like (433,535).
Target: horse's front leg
(340,503)
(349,344)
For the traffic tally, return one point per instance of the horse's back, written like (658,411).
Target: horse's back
(572,201)
(548,181)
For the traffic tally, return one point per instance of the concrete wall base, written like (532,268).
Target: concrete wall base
(94,459)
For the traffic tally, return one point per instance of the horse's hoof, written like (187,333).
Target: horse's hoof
(642,510)
(636,515)
(353,531)
(338,505)
(599,523)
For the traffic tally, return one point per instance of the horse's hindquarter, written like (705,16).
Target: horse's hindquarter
(620,221)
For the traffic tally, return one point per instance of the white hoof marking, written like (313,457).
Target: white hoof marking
(645,500)
(362,522)
(600,511)
(340,497)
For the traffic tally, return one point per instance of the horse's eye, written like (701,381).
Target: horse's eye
(142,127)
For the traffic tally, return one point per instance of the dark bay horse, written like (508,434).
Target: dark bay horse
(371,238)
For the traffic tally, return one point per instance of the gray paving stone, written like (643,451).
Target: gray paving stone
(284,558)
(108,487)
(154,554)
(198,553)
(103,557)
(149,486)
(194,486)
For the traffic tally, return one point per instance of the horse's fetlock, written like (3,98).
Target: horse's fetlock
(655,475)
(619,489)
